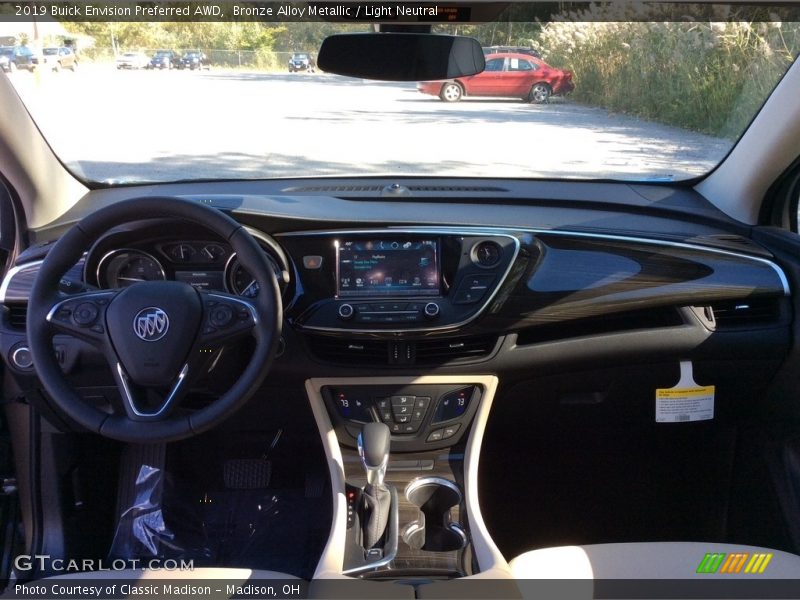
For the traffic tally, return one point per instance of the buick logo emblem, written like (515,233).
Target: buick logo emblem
(151,324)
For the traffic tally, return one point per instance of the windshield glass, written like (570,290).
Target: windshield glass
(579,94)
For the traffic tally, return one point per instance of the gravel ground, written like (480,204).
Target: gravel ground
(169,125)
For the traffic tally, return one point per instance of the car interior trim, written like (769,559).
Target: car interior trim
(560,232)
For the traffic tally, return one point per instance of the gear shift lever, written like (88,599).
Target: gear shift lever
(373,448)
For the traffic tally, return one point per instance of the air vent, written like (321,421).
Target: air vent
(17,315)
(471,189)
(436,352)
(363,189)
(401,353)
(334,189)
(745,313)
(338,350)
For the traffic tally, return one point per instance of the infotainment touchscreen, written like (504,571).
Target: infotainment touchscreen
(388,267)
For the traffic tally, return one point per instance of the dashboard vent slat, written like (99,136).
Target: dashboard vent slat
(17,315)
(401,353)
(365,189)
(740,313)
(447,350)
(336,350)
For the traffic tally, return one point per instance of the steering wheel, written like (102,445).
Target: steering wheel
(155,335)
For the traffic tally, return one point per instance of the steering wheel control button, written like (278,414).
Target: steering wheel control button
(346,311)
(85,314)
(431,310)
(221,316)
(151,324)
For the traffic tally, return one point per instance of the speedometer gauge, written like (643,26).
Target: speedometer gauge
(241,282)
(122,268)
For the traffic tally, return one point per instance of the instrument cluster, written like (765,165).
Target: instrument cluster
(204,264)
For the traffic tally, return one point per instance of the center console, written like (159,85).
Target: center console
(432,523)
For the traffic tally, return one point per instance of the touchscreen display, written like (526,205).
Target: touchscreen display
(388,267)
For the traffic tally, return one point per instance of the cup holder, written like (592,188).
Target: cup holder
(434,529)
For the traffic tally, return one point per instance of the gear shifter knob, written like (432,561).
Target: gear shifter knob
(373,448)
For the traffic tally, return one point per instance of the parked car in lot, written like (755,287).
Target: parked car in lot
(507,74)
(59,58)
(164,59)
(132,60)
(194,60)
(17,57)
(301,61)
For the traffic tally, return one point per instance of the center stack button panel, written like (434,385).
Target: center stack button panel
(420,417)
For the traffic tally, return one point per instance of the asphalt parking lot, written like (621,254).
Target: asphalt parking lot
(170,125)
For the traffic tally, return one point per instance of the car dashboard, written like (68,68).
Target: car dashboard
(415,302)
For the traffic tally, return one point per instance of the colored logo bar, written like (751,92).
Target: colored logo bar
(735,562)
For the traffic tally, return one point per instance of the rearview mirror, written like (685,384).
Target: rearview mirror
(401,56)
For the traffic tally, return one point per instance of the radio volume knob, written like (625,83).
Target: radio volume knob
(431,310)
(346,312)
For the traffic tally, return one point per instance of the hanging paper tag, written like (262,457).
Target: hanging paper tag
(685,402)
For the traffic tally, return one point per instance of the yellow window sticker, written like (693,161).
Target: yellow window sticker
(685,402)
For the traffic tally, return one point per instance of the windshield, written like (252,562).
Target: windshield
(578,95)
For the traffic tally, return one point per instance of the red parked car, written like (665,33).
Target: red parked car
(506,74)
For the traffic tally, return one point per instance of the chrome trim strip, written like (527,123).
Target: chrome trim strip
(123,377)
(434,231)
(12,272)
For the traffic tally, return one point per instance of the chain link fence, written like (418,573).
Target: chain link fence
(258,60)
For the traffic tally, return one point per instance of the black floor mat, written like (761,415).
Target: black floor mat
(254,493)
(273,525)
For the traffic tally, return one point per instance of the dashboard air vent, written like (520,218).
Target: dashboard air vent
(333,189)
(401,353)
(17,315)
(350,189)
(434,352)
(471,189)
(741,313)
(338,350)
